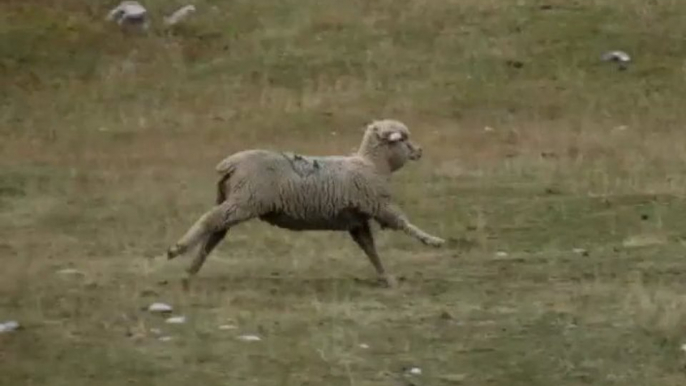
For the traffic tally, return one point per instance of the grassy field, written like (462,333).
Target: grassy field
(565,220)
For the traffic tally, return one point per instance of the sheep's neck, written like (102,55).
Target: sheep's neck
(379,162)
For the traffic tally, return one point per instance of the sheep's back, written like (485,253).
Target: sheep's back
(298,188)
(325,186)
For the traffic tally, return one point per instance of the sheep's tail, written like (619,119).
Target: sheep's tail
(221,188)
(225,169)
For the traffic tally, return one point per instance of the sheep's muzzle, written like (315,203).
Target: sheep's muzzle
(415,152)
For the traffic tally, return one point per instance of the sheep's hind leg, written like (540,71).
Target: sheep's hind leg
(208,222)
(365,240)
(393,218)
(210,243)
(211,228)
(219,218)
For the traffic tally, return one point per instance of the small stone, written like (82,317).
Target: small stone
(227,327)
(445,315)
(176,320)
(364,346)
(453,378)
(501,254)
(514,63)
(160,307)
(488,129)
(250,338)
(683,347)
(129,12)
(415,371)
(70,271)
(616,56)
(180,14)
(165,338)
(149,292)
(620,57)
(9,326)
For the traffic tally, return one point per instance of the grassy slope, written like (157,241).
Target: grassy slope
(108,144)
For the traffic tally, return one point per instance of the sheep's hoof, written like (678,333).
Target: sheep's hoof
(434,241)
(186,284)
(389,280)
(174,251)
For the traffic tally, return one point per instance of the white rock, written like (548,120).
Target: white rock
(250,338)
(126,9)
(70,271)
(488,128)
(165,338)
(227,327)
(364,346)
(179,14)
(129,12)
(176,320)
(579,250)
(9,326)
(453,378)
(683,347)
(501,254)
(620,57)
(616,56)
(160,307)
(416,371)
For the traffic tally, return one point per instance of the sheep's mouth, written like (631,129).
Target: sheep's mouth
(415,154)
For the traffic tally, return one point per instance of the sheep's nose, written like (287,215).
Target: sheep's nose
(417,153)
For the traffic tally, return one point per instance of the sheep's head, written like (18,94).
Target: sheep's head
(387,143)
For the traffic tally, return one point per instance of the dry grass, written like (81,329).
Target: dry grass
(107,154)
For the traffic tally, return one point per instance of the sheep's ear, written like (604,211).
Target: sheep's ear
(373,127)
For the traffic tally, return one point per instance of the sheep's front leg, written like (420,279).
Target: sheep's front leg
(365,240)
(392,217)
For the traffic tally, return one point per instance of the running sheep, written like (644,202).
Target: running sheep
(302,193)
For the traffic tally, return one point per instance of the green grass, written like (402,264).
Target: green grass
(108,143)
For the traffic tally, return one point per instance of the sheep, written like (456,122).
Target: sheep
(308,193)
